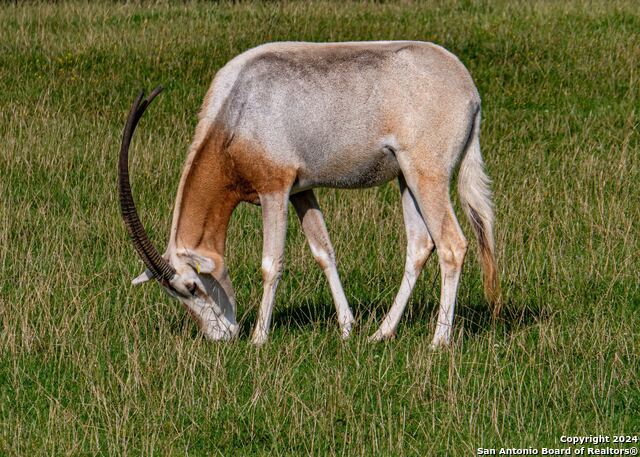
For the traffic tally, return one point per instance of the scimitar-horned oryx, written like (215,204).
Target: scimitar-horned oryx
(283,118)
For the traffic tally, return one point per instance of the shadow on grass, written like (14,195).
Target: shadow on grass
(305,316)
(301,317)
(474,314)
(475,319)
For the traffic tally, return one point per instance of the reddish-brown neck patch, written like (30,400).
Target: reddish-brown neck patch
(209,196)
(224,171)
(257,173)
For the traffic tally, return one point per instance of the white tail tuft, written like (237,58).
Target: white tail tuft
(474,191)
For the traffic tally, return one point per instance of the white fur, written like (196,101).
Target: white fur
(348,115)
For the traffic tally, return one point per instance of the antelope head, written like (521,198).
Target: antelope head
(183,274)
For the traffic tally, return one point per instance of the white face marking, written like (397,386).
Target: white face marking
(214,323)
(201,263)
(203,295)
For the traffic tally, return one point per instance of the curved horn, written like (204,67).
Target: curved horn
(150,256)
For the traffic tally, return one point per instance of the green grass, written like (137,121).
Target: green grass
(91,365)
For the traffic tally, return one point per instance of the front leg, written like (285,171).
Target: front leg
(274,219)
(308,210)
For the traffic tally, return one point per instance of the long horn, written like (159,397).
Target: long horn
(150,256)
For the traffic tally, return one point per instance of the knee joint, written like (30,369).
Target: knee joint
(454,253)
(270,269)
(323,256)
(421,252)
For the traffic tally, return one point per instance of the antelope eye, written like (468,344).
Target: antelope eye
(191,287)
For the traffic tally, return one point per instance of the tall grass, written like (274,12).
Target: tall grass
(89,364)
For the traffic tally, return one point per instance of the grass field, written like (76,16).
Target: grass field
(91,365)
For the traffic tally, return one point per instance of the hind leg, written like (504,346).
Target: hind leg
(430,186)
(315,230)
(419,248)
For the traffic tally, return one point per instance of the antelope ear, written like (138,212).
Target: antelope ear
(201,263)
(144,277)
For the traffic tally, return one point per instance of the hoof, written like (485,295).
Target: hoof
(381,336)
(259,340)
(346,330)
(439,343)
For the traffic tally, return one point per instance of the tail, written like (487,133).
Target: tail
(474,191)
